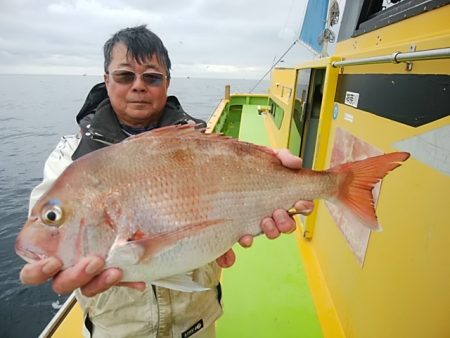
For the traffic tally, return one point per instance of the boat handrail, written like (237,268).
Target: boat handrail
(51,327)
(397,57)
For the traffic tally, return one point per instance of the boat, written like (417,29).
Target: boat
(385,87)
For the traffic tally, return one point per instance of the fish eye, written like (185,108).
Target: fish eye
(52,215)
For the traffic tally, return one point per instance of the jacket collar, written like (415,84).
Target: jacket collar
(100,126)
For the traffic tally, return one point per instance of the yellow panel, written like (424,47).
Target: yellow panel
(71,327)
(424,27)
(402,289)
(423,32)
(282,92)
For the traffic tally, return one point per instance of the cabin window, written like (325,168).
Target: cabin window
(298,116)
(277,114)
(371,8)
(313,109)
(379,13)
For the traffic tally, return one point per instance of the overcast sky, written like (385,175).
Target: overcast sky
(205,38)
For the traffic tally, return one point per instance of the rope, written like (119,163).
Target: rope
(273,66)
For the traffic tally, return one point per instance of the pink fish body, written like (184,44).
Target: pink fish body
(171,200)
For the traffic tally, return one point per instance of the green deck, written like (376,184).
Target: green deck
(266,293)
(252,127)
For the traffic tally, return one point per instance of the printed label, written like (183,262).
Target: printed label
(351,99)
(193,329)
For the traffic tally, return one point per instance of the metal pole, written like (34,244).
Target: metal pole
(397,57)
(227,92)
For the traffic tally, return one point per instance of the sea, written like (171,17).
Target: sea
(35,111)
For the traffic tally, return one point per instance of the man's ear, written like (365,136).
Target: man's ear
(106,79)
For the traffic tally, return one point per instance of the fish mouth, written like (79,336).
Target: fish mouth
(29,255)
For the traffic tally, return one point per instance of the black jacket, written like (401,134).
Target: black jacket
(100,126)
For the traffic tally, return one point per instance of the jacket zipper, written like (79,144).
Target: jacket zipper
(157,308)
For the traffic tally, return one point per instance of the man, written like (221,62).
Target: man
(137,77)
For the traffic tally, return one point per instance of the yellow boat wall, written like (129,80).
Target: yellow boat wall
(399,283)
(282,93)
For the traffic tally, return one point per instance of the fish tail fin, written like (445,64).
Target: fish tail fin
(356,182)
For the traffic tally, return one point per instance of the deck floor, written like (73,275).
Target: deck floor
(252,128)
(266,293)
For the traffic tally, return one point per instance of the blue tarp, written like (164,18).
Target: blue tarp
(314,24)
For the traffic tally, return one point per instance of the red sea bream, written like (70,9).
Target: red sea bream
(165,202)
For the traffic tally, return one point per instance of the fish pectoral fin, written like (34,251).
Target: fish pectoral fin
(180,283)
(155,244)
(141,247)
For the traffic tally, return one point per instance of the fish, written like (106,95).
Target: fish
(165,202)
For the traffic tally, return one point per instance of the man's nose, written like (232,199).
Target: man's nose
(139,83)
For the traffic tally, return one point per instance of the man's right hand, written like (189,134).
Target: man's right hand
(87,274)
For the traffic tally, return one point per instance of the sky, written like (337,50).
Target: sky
(205,38)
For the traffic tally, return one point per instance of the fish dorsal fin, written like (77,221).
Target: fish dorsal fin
(179,130)
(184,130)
(192,130)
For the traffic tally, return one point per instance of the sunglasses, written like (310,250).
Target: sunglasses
(127,77)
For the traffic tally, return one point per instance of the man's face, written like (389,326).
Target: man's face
(137,104)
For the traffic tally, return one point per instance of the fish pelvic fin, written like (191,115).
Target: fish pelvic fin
(183,283)
(356,182)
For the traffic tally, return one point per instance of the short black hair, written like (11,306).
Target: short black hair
(141,43)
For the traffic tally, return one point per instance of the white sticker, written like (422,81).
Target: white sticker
(352,99)
(348,117)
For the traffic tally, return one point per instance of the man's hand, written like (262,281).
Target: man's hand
(87,274)
(280,222)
